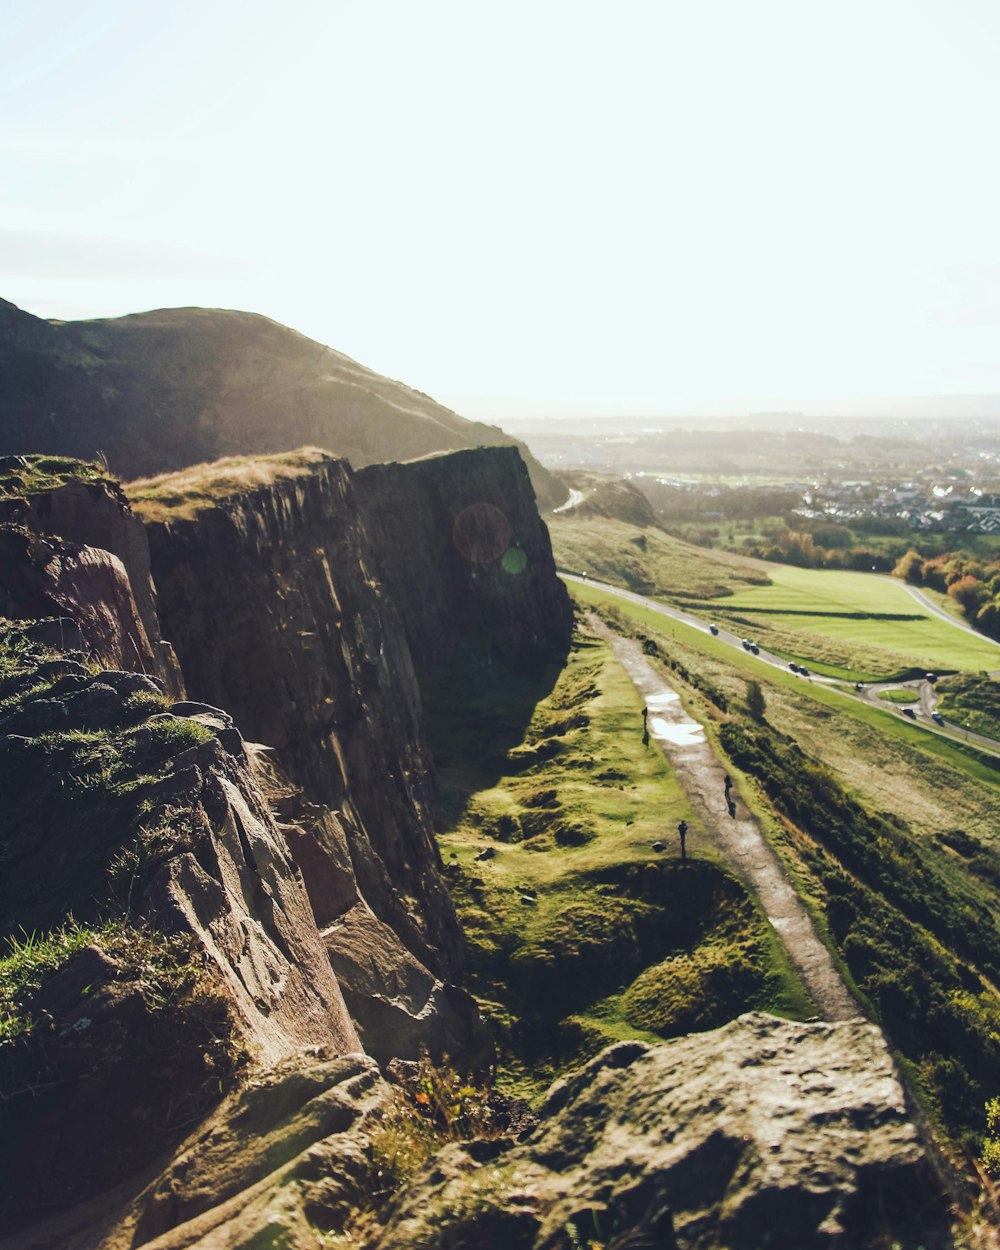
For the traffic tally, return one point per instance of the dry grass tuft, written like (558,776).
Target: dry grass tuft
(182,495)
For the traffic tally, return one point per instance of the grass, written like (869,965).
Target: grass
(874,613)
(648,560)
(701,646)
(899,696)
(973,702)
(93,1019)
(181,496)
(36,474)
(910,910)
(79,781)
(848,625)
(571,904)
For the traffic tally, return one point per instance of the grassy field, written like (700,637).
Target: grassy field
(731,666)
(894,848)
(649,561)
(848,625)
(874,612)
(579,933)
(899,696)
(971,701)
(182,495)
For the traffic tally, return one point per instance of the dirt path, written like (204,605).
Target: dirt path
(738,838)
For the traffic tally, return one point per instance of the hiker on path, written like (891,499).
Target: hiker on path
(682,830)
(732,808)
(729,785)
(645,728)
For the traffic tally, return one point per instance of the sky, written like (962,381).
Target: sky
(527,209)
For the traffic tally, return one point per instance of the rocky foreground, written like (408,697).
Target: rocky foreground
(762,1133)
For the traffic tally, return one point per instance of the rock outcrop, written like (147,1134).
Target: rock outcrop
(160,390)
(118,805)
(459,541)
(48,496)
(763,1133)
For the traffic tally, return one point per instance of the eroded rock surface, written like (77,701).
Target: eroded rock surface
(762,1133)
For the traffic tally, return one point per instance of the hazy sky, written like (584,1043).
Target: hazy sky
(526,208)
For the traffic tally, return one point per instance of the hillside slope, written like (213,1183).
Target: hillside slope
(161,390)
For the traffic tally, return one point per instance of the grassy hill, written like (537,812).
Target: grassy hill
(161,390)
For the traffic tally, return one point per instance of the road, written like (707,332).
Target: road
(866,693)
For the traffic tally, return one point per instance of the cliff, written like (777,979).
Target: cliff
(160,390)
(81,505)
(171,936)
(459,541)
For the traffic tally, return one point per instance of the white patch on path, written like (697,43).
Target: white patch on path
(738,838)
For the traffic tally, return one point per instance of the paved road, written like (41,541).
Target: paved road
(737,836)
(867,694)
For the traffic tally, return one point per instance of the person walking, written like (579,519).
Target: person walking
(682,830)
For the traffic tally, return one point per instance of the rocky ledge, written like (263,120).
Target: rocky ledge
(764,1133)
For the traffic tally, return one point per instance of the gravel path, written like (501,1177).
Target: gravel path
(738,838)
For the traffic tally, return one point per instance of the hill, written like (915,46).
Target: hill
(162,390)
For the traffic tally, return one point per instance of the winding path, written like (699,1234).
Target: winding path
(738,838)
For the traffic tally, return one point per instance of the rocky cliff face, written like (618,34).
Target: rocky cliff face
(271,602)
(156,391)
(173,935)
(49,496)
(459,542)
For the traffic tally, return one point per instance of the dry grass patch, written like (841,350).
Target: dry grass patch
(181,496)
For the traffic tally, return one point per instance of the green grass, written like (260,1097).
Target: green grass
(555,783)
(648,560)
(973,702)
(873,612)
(42,473)
(975,763)
(853,626)
(899,696)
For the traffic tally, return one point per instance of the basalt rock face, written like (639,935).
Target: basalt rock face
(459,541)
(160,390)
(271,602)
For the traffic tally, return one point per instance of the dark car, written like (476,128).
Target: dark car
(931,677)
(714,629)
(793,666)
(754,649)
(803,672)
(908,711)
(746,644)
(937,718)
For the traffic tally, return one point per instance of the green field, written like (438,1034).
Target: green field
(874,612)
(899,696)
(848,625)
(578,933)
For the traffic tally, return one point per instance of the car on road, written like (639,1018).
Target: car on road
(937,718)
(803,672)
(931,677)
(859,686)
(793,666)
(754,649)
(746,644)
(908,711)
(713,629)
